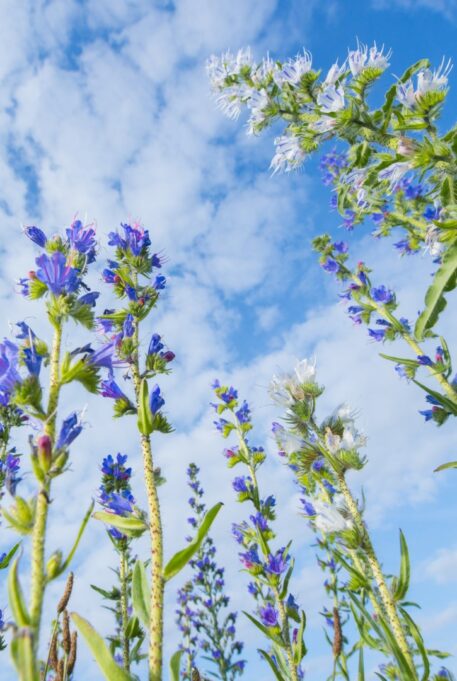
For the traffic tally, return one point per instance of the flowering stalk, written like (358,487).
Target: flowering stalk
(202,602)
(320,456)
(271,573)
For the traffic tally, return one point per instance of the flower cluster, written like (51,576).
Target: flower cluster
(115,491)
(269,569)
(202,602)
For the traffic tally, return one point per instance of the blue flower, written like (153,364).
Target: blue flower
(378,218)
(427,414)
(136,239)
(120,504)
(377,334)
(277,564)
(251,558)
(268,615)
(56,274)
(36,235)
(308,508)
(128,327)
(89,298)
(405,247)
(69,431)
(116,469)
(155,344)
(109,388)
(340,247)
(432,212)
(260,522)
(330,265)
(382,294)
(9,472)
(156,400)
(9,374)
(159,282)
(349,219)
(240,484)
(32,360)
(243,413)
(103,356)
(82,239)
(425,360)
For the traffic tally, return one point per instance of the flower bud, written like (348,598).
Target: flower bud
(32,274)
(53,565)
(44,449)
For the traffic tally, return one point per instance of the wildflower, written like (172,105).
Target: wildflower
(289,154)
(156,400)
(82,239)
(36,235)
(269,615)
(425,360)
(59,277)
(220,68)
(89,298)
(362,58)
(116,468)
(293,70)
(240,484)
(334,73)
(155,344)
(330,265)
(71,428)
(250,559)
(135,239)
(9,374)
(9,472)
(394,173)
(381,294)
(103,356)
(328,518)
(109,388)
(278,563)
(427,81)
(331,99)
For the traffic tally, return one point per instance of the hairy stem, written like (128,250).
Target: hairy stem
(384,592)
(155,528)
(38,572)
(124,608)
(286,636)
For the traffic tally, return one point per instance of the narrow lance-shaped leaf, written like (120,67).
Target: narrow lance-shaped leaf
(175,665)
(273,667)
(141,593)
(445,466)
(108,666)
(402,585)
(23,657)
(417,636)
(145,421)
(444,280)
(266,631)
(16,597)
(8,557)
(129,525)
(181,558)
(69,558)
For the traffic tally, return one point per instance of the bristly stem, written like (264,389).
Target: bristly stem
(38,572)
(123,578)
(155,528)
(384,592)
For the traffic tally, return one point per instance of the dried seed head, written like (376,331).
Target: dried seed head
(66,636)
(53,657)
(338,634)
(73,651)
(196,675)
(60,671)
(66,594)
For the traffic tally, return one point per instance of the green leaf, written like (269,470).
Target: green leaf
(444,280)
(419,641)
(141,593)
(181,558)
(145,422)
(7,559)
(83,314)
(402,584)
(444,466)
(272,665)
(175,665)
(69,558)
(16,597)
(413,363)
(23,656)
(445,401)
(129,525)
(80,371)
(110,670)
(269,632)
(113,595)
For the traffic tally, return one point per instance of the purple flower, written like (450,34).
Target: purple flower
(378,218)
(89,298)
(427,414)
(56,274)
(9,374)
(69,431)
(260,522)
(349,219)
(404,247)
(156,400)
(340,247)
(228,395)
(159,282)
(156,260)
(243,413)
(330,265)
(424,360)
(382,294)
(155,345)
(36,235)
(277,564)
(120,504)
(103,356)
(136,239)
(268,615)
(109,388)
(32,360)
(128,327)
(9,472)
(250,559)
(308,508)
(82,239)
(240,484)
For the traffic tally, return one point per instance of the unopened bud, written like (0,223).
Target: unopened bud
(168,356)
(32,274)
(44,450)
(53,565)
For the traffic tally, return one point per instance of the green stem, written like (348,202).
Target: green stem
(384,592)
(124,608)
(38,571)
(155,528)
(286,636)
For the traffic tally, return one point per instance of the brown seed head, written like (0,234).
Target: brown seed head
(66,636)
(66,594)
(337,633)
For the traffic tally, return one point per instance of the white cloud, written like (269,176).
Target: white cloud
(448,8)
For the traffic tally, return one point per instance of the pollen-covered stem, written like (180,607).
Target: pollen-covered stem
(123,578)
(38,574)
(385,594)
(155,528)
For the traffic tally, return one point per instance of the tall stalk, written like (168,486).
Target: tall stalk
(38,571)
(123,578)
(155,529)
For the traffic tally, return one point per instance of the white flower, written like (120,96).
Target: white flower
(266,68)
(289,154)
(328,518)
(332,441)
(355,178)
(305,371)
(257,102)
(432,243)
(331,98)
(427,81)
(394,173)
(334,73)
(344,413)
(279,392)
(219,68)
(287,441)
(293,70)
(324,124)
(352,439)
(362,58)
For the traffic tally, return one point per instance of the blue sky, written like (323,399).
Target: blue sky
(107,112)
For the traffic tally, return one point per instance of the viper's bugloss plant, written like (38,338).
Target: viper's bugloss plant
(202,616)
(392,167)
(277,612)
(135,280)
(321,454)
(59,280)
